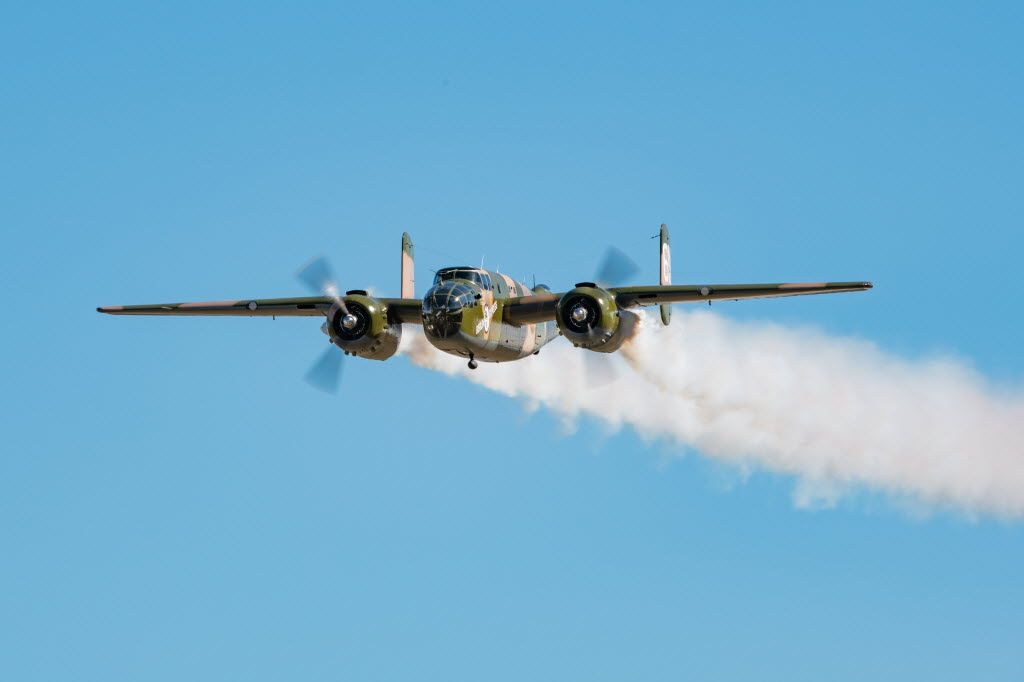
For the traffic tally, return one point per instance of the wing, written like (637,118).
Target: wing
(406,310)
(530,309)
(629,297)
(541,308)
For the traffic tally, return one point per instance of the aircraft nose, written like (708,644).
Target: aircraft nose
(443,306)
(450,304)
(450,296)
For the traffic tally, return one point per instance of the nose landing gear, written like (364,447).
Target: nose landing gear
(472,362)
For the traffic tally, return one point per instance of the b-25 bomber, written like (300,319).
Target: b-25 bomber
(483,315)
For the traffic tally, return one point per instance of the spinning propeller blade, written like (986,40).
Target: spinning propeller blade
(325,374)
(598,368)
(318,276)
(616,268)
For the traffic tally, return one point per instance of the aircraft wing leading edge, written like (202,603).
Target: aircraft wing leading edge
(517,311)
(628,297)
(403,310)
(541,308)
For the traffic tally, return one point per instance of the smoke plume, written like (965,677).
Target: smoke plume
(838,414)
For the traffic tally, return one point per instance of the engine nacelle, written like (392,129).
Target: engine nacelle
(362,327)
(589,318)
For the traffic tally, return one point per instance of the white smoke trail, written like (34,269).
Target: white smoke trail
(837,413)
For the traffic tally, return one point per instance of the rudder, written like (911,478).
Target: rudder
(666,272)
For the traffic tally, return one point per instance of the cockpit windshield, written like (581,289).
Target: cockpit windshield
(481,279)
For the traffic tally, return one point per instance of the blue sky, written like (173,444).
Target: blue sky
(175,502)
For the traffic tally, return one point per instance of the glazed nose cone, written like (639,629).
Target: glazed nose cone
(442,308)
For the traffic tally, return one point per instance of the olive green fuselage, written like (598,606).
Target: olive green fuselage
(463,315)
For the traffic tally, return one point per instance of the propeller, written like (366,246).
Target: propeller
(318,276)
(598,368)
(615,268)
(325,374)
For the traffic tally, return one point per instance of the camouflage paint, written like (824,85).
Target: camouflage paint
(483,333)
(610,330)
(381,339)
(508,321)
(408,287)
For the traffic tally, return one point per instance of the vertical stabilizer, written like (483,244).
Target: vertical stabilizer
(408,268)
(666,272)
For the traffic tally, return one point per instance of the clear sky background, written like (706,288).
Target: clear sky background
(175,503)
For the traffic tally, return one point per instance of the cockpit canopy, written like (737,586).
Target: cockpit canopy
(475,275)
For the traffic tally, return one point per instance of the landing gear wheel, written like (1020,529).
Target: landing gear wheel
(472,362)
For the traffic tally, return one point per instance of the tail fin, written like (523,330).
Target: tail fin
(408,265)
(666,272)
